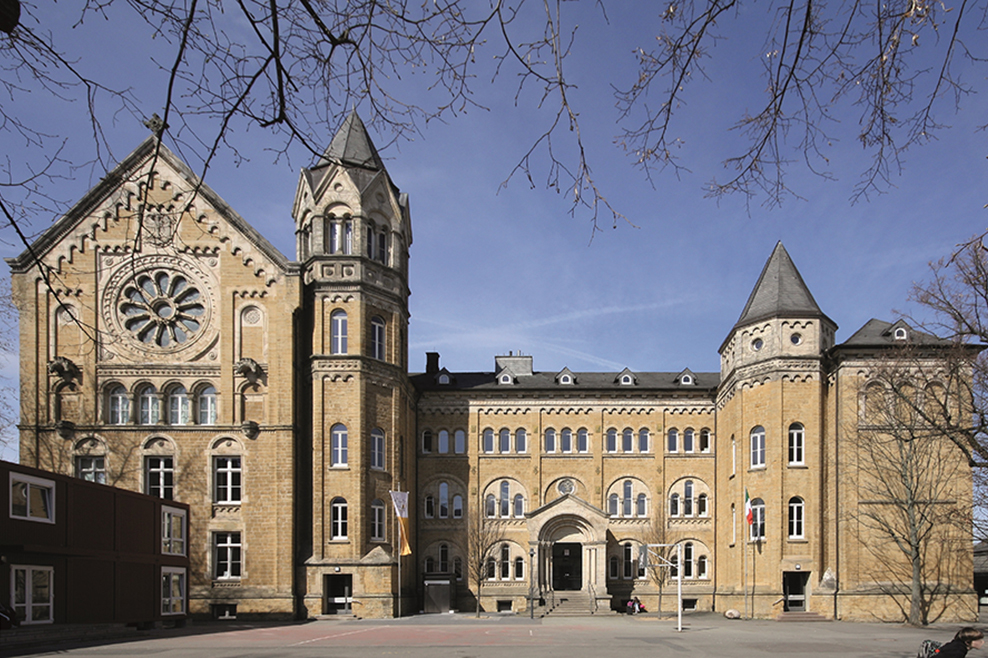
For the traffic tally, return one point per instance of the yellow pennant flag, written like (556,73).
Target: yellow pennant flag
(400,500)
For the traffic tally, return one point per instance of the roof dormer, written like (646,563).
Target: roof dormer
(626,378)
(565,377)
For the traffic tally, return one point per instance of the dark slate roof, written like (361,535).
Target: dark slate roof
(352,146)
(780,292)
(585,381)
(878,333)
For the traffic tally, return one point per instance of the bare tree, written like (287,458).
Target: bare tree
(484,536)
(913,484)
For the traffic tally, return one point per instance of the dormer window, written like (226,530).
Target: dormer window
(504,379)
(444,379)
(565,379)
(626,380)
(900,334)
(686,380)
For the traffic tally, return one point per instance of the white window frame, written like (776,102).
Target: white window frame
(377,520)
(179,408)
(173,543)
(27,608)
(228,479)
(757,528)
(338,332)
(797,509)
(339,520)
(339,444)
(797,444)
(117,405)
(170,603)
(377,449)
(207,402)
(757,439)
(160,488)
(229,552)
(378,338)
(39,510)
(87,468)
(149,407)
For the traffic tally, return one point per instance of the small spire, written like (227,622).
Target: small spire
(780,291)
(156,125)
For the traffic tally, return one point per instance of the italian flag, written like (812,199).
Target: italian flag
(400,500)
(748,516)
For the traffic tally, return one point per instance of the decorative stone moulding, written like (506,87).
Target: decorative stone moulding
(63,368)
(248,368)
(251,429)
(65,429)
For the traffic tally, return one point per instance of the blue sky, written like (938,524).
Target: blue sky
(496,269)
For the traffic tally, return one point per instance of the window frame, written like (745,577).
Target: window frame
(149,406)
(756,531)
(797,444)
(757,440)
(228,480)
(796,518)
(378,338)
(30,482)
(338,329)
(232,554)
(339,520)
(179,406)
(172,543)
(207,405)
(377,449)
(92,472)
(339,446)
(160,481)
(26,610)
(378,520)
(168,603)
(117,405)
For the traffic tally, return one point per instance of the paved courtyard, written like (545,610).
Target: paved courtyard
(462,636)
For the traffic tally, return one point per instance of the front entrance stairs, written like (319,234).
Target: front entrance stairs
(574,604)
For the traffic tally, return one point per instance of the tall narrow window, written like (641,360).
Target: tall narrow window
(457,506)
(704,440)
(688,441)
(627,499)
(227,479)
(443,558)
(443,500)
(521,441)
(377,520)
(519,568)
(488,440)
(430,506)
(550,440)
(173,531)
(758,447)
(459,442)
(796,518)
(427,441)
(338,519)
(348,237)
(150,406)
(337,332)
(118,406)
(505,500)
(443,442)
(796,434)
(490,506)
(674,505)
(611,438)
(566,440)
(505,562)
(672,444)
(378,339)
(172,590)
(629,561)
(582,440)
(504,441)
(688,560)
(643,440)
(338,445)
(688,498)
(612,567)
(377,448)
(519,506)
(641,505)
(159,477)
(178,406)
(701,505)
(627,440)
(33,594)
(207,406)
(758,519)
(701,566)
(227,555)
(612,504)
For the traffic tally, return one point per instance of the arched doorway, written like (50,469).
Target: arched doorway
(567,566)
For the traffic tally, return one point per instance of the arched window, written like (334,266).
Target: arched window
(674,505)
(377,449)
(490,506)
(612,440)
(688,560)
(488,440)
(378,339)
(118,406)
(443,558)
(704,440)
(521,441)
(457,506)
(519,506)
(627,440)
(701,566)
(643,440)
(338,515)
(629,561)
(443,500)
(377,520)
(427,441)
(672,444)
(688,498)
(338,445)
(612,504)
(504,442)
(178,406)
(550,440)
(505,499)
(430,506)
(582,440)
(688,440)
(796,518)
(459,442)
(206,403)
(627,499)
(519,568)
(701,505)
(796,434)
(757,519)
(443,442)
(491,568)
(505,562)
(566,440)
(641,506)
(430,565)
(150,406)
(612,567)
(758,447)
(337,332)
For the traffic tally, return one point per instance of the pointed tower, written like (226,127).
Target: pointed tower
(353,234)
(771,414)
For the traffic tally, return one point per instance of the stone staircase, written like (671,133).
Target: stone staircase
(801,616)
(575,604)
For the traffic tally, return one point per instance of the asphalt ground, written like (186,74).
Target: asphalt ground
(509,636)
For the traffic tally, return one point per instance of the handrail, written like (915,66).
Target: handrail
(593,598)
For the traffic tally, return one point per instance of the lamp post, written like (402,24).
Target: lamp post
(531,582)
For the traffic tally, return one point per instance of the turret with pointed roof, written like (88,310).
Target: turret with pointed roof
(780,292)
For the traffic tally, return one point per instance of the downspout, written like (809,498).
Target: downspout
(837,499)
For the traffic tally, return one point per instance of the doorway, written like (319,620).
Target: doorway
(337,594)
(567,566)
(794,590)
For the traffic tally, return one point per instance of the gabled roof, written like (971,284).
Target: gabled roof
(878,333)
(84,208)
(780,292)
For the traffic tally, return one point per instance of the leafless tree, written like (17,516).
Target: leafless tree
(484,536)
(913,485)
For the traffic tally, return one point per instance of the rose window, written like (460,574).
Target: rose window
(162,308)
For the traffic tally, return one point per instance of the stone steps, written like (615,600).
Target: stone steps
(801,616)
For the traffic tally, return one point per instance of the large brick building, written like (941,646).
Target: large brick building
(167,347)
